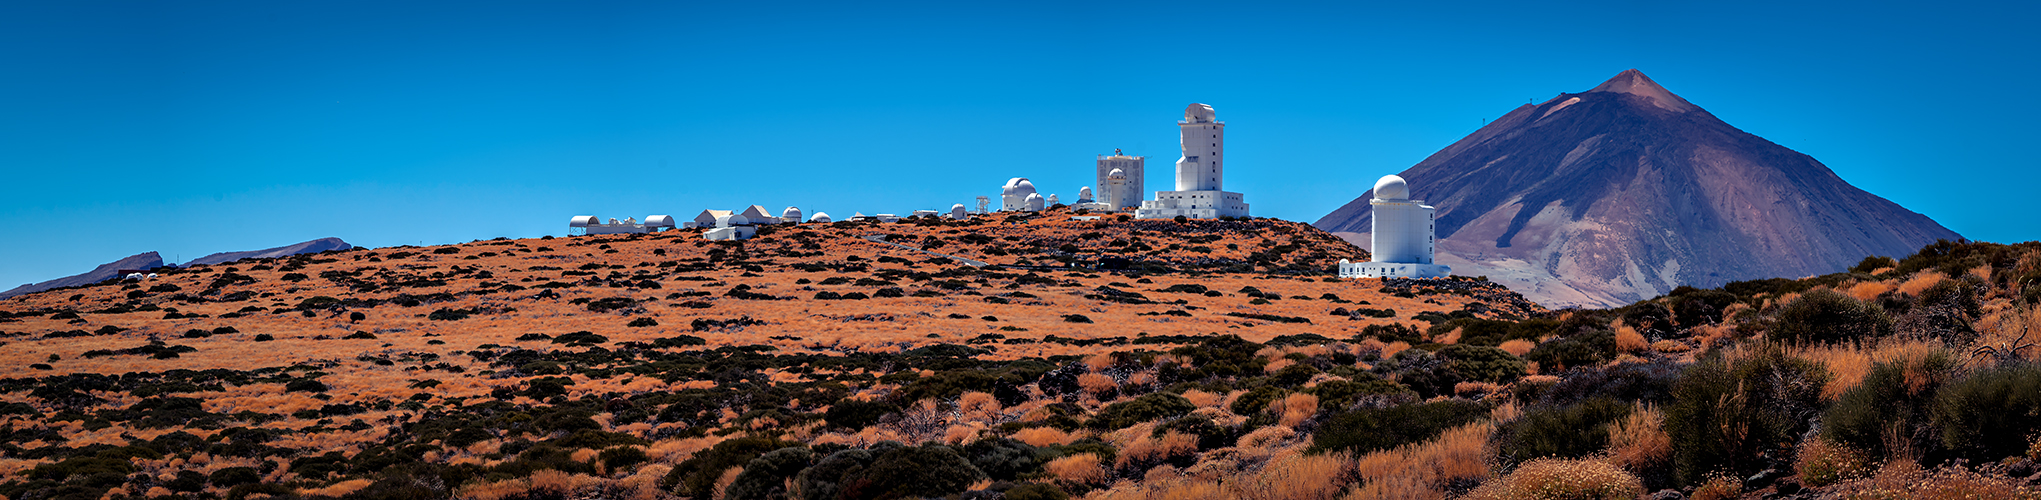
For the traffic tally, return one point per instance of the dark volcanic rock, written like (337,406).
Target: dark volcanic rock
(1626,191)
(140,261)
(314,246)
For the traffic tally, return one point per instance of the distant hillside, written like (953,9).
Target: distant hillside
(144,260)
(1627,191)
(314,246)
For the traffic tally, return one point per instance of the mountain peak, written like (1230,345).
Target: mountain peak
(1633,82)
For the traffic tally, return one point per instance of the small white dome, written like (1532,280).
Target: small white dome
(958,206)
(1116,174)
(1392,188)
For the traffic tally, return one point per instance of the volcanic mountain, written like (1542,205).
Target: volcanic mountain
(1626,191)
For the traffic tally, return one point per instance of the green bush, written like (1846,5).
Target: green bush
(1003,459)
(853,414)
(823,481)
(1887,405)
(235,476)
(1991,414)
(1366,430)
(1142,409)
(1340,394)
(1036,491)
(766,477)
(697,476)
(1582,350)
(1482,363)
(1827,316)
(911,472)
(1256,400)
(1725,415)
(1565,432)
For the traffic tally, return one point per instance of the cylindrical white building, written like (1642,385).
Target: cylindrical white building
(1129,170)
(1403,226)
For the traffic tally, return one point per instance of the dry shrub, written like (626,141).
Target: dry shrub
(1638,441)
(1422,470)
(541,484)
(1848,364)
(1822,463)
(1096,383)
(644,484)
(962,433)
(1904,479)
(1628,340)
(1295,408)
(979,406)
(1921,281)
(1267,437)
(1869,290)
(1506,412)
(338,489)
(1518,347)
(1082,468)
(1670,346)
(2010,328)
(1560,479)
(1476,390)
(1278,365)
(1451,337)
(1204,399)
(1718,488)
(584,455)
(1044,436)
(1152,449)
(1293,475)
(1389,351)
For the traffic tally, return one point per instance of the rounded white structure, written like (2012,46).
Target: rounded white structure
(1053,200)
(1402,238)
(1200,168)
(1084,194)
(659,221)
(1033,203)
(583,221)
(957,212)
(733,220)
(1013,197)
(822,217)
(792,215)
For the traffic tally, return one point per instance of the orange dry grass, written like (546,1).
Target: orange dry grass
(1518,347)
(541,484)
(1718,488)
(1921,281)
(1558,479)
(2009,328)
(1150,449)
(1096,383)
(979,406)
(1422,470)
(1045,436)
(1821,463)
(1476,390)
(1638,441)
(1293,475)
(1267,437)
(1082,468)
(1628,340)
(1204,399)
(1295,408)
(1850,363)
(337,489)
(1869,290)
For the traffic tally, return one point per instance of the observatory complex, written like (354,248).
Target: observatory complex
(1402,238)
(1200,174)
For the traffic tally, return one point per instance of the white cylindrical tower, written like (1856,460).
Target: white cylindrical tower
(1120,192)
(1403,231)
(1204,140)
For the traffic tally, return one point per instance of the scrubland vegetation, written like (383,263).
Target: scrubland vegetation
(811,363)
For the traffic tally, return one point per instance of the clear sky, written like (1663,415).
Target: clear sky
(197,127)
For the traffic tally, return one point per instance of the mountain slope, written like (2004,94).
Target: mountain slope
(314,246)
(144,260)
(1626,191)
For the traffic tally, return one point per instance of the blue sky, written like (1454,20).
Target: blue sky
(196,127)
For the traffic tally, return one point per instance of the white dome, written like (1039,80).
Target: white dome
(1117,174)
(958,206)
(1392,188)
(1018,186)
(1199,113)
(820,217)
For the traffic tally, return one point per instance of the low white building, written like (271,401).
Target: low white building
(925,213)
(821,217)
(708,217)
(1033,203)
(757,215)
(731,227)
(1200,174)
(957,212)
(1120,180)
(1402,238)
(589,224)
(792,215)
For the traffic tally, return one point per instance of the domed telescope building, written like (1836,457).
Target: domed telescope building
(1402,237)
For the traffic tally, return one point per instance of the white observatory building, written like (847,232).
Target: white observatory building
(1200,174)
(1120,180)
(1402,238)
(1013,197)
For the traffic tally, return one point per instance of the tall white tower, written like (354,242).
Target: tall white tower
(1200,168)
(1403,236)
(1200,173)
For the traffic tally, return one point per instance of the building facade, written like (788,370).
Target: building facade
(1403,236)
(1123,191)
(1200,174)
